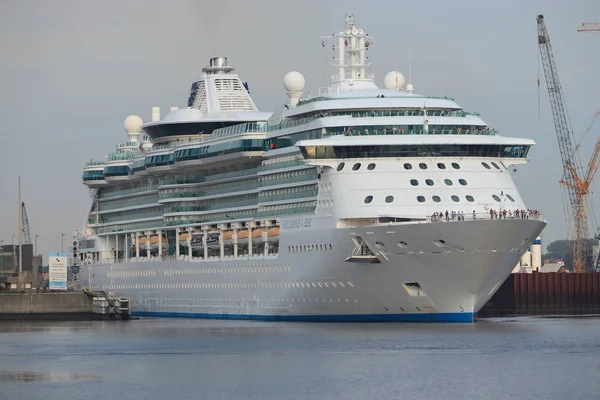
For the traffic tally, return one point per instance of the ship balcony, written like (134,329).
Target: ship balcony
(159,162)
(128,192)
(278,165)
(283,167)
(287,181)
(223,204)
(271,211)
(94,177)
(192,195)
(215,178)
(220,152)
(128,145)
(141,217)
(307,195)
(128,205)
(117,172)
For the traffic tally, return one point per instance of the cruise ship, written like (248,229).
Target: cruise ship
(361,203)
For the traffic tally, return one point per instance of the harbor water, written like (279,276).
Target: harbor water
(160,359)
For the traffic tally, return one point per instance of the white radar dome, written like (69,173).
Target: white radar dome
(394,80)
(132,124)
(293,81)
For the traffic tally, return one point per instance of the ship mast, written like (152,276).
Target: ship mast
(352,44)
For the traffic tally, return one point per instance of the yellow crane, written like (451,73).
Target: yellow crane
(589,27)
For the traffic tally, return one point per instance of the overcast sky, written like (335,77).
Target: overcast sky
(71,71)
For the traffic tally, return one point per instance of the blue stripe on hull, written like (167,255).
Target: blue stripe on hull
(440,317)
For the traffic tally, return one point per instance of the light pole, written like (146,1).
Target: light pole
(1,255)
(62,246)
(35,250)
(14,257)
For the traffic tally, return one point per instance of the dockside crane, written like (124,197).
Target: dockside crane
(577,188)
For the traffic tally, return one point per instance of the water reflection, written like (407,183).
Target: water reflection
(30,376)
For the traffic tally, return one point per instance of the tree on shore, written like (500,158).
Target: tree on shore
(563,250)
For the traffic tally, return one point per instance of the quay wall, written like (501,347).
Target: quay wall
(35,305)
(552,293)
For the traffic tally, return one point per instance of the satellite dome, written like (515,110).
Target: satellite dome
(132,124)
(394,80)
(293,81)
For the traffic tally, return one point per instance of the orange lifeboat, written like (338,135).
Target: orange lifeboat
(273,234)
(242,236)
(154,242)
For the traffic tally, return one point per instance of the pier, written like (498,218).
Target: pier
(66,306)
(552,293)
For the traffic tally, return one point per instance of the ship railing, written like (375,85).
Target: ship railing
(94,163)
(181,257)
(148,188)
(405,130)
(498,214)
(407,96)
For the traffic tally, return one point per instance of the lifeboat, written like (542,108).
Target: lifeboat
(142,241)
(154,242)
(243,236)
(273,235)
(257,236)
(196,240)
(228,238)
(212,240)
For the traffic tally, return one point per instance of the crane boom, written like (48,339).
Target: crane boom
(589,27)
(25,224)
(565,144)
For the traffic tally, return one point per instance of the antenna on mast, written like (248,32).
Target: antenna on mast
(409,87)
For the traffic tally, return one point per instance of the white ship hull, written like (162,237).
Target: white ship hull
(416,281)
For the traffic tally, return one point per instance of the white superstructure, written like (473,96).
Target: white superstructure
(359,204)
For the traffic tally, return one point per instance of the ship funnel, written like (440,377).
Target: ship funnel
(218,65)
(218,62)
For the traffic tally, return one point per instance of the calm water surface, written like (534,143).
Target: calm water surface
(521,358)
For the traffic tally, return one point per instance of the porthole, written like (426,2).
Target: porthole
(462,182)
(448,182)
(455,165)
(441,165)
(371,167)
(437,199)
(422,165)
(510,198)
(495,197)
(455,198)
(421,199)
(340,166)
(389,199)
(414,182)
(407,166)
(429,182)
(469,198)
(495,165)
(368,199)
(485,165)
(356,167)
